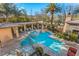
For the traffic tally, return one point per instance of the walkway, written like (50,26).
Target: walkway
(9,47)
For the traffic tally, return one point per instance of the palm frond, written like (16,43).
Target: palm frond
(53,8)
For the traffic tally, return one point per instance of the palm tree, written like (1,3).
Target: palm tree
(52,8)
(9,10)
(6,9)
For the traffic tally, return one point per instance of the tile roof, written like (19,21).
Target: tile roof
(73,22)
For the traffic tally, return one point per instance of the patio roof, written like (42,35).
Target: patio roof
(4,25)
(73,22)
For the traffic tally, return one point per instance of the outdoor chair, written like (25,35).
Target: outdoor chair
(72,51)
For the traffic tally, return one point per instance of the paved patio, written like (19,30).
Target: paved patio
(9,47)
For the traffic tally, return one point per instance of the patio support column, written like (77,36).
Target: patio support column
(46,26)
(24,28)
(32,26)
(16,31)
(38,26)
(42,27)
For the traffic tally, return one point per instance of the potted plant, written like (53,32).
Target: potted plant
(39,51)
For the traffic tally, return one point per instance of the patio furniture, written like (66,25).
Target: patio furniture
(72,51)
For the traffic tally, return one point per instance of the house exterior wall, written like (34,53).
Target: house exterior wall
(5,34)
(66,25)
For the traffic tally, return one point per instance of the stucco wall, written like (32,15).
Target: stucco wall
(66,26)
(5,34)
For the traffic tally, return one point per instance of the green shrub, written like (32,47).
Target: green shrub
(65,36)
(69,37)
(60,35)
(73,37)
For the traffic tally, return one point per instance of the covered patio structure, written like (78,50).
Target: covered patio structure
(9,31)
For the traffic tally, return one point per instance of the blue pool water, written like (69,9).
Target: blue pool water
(44,39)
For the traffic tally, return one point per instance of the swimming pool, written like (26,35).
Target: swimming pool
(43,38)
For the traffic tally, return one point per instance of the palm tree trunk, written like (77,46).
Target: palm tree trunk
(51,18)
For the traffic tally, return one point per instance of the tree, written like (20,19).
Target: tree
(59,20)
(53,8)
(13,13)
(76,10)
(6,9)
(16,12)
(24,14)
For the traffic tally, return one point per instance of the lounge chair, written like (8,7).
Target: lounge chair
(72,51)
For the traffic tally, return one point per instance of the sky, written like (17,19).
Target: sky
(32,8)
